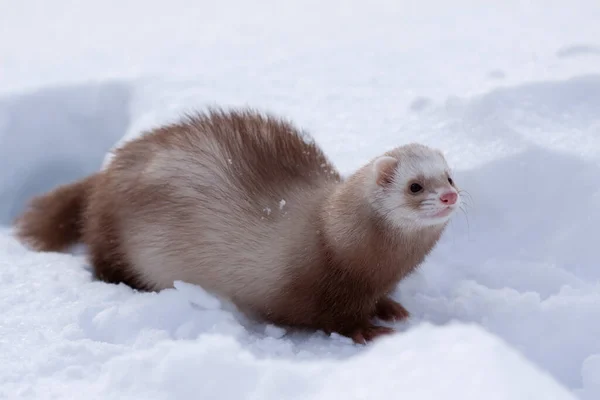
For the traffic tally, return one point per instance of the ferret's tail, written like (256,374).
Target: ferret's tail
(54,221)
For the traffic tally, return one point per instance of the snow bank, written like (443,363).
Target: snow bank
(55,135)
(64,334)
(451,362)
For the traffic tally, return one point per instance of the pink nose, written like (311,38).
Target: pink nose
(449,198)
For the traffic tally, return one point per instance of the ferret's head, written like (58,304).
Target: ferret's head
(412,187)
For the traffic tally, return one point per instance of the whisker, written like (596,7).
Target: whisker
(466,194)
(468,223)
(467,205)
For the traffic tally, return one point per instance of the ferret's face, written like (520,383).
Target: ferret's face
(414,186)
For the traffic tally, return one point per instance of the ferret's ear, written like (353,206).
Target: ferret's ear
(384,168)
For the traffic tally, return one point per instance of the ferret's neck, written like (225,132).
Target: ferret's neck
(349,218)
(360,239)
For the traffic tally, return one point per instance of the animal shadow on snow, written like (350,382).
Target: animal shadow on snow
(56,135)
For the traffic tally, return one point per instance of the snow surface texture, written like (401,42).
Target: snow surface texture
(506,307)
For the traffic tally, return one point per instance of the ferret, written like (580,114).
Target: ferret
(247,206)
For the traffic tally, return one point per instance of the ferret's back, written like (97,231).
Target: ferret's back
(219,200)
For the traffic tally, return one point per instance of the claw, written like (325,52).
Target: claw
(390,310)
(370,332)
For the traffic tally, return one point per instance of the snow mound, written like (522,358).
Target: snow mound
(107,342)
(427,363)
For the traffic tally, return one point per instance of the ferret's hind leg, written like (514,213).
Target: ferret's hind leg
(105,246)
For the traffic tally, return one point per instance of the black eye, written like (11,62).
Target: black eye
(450,181)
(416,188)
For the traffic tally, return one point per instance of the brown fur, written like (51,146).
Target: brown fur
(361,261)
(200,201)
(53,221)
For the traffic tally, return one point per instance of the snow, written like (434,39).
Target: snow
(508,304)
(67,334)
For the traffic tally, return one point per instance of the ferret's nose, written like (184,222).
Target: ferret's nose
(449,198)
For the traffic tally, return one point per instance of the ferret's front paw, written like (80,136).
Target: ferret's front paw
(369,332)
(390,310)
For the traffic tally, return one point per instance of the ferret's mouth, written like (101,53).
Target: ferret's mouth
(444,212)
